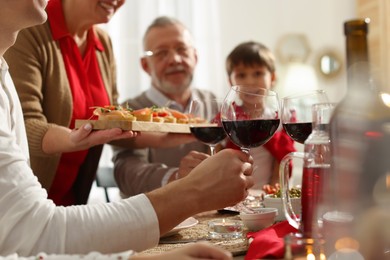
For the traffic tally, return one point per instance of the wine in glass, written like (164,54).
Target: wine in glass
(205,123)
(297,116)
(250,115)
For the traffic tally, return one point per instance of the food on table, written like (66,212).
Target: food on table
(147,114)
(275,192)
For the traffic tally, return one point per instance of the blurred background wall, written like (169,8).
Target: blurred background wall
(298,32)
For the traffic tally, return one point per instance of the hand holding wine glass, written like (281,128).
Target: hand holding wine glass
(250,115)
(205,123)
(297,113)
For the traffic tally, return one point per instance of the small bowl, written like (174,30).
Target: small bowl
(271,202)
(259,219)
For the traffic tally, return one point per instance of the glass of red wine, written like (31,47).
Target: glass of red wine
(250,115)
(205,123)
(296,114)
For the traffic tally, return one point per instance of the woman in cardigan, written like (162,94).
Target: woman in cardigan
(60,70)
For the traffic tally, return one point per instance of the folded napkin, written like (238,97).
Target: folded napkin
(268,243)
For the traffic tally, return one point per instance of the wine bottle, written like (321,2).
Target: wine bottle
(360,146)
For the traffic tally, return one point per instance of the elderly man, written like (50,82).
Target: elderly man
(170,59)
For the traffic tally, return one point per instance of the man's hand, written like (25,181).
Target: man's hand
(219,181)
(222,180)
(188,163)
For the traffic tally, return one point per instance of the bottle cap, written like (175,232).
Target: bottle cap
(357,27)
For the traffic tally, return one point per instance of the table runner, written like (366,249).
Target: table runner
(237,246)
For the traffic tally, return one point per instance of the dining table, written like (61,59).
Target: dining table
(200,232)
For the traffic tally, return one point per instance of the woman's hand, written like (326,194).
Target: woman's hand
(84,137)
(61,139)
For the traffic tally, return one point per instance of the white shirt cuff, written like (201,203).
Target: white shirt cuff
(168,175)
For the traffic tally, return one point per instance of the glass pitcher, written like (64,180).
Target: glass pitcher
(316,166)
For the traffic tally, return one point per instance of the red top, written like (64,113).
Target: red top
(88,90)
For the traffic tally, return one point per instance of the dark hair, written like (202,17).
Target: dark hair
(250,53)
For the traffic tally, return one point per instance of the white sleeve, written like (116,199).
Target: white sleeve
(30,223)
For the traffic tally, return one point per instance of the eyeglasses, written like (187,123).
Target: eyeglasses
(162,54)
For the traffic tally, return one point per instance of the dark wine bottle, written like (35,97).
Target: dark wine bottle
(360,146)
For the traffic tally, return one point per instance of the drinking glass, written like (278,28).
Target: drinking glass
(297,113)
(205,123)
(316,166)
(250,116)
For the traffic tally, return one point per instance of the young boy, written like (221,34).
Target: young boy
(252,63)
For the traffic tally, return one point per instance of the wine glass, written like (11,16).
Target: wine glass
(297,113)
(205,123)
(250,116)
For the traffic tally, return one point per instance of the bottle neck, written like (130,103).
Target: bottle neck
(358,69)
(357,48)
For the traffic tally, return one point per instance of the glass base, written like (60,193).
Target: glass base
(225,229)
(232,235)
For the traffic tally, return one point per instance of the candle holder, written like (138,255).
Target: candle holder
(297,247)
(225,229)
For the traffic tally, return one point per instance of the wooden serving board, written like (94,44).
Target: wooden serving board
(136,126)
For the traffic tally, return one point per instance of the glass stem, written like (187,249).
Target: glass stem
(212,150)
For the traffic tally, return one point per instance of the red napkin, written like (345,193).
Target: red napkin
(268,243)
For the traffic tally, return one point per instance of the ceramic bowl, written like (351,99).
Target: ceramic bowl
(271,202)
(259,218)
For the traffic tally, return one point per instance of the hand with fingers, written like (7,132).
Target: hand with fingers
(229,176)
(85,137)
(190,161)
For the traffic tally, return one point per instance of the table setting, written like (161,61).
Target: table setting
(266,243)
(200,232)
(250,117)
(285,226)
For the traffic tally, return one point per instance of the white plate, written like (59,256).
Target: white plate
(189,222)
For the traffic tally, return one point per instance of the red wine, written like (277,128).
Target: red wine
(251,133)
(298,131)
(312,191)
(209,134)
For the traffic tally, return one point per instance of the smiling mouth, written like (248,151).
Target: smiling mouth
(175,70)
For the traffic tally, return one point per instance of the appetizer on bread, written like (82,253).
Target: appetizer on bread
(114,113)
(147,114)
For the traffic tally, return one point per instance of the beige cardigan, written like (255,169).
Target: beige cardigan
(37,68)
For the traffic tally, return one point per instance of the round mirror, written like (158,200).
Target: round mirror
(329,64)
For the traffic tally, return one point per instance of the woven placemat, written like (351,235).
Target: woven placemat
(237,246)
